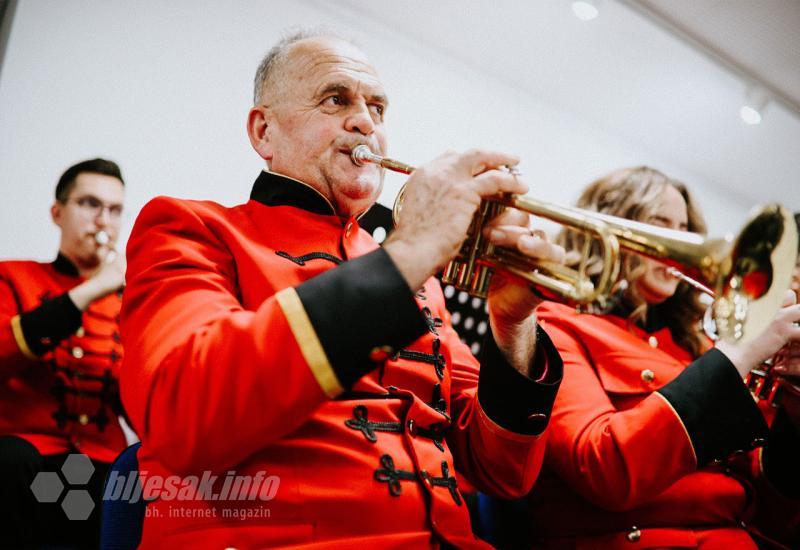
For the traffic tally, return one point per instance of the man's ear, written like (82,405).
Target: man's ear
(258,130)
(56,211)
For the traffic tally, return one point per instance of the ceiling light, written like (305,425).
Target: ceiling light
(750,115)
(585,10)
(755,102)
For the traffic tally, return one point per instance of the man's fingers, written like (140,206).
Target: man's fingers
(791,313)
(506,235)
(531,242)
(510,216)
(539,249)
(493,182)
(480,160)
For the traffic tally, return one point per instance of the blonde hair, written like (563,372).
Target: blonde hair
(633,193)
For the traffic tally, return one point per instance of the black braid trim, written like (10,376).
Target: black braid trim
(358,395)
(436,359)
(446,481)
(361,422)
(390,475)
(301,260)
(433,322)
(435,433)
(107,395)
(438,402)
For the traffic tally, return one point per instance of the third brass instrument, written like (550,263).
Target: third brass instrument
(748,273)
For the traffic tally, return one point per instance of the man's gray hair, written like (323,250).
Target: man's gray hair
(275,57)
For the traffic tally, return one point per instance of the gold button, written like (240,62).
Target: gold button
(537,417)
(648,375)
(80,332)
(634,535)
(380,353)
(77,352)
(412,427)
(653,341)
(83,419)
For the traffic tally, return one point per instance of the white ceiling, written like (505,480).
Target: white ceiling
(762,38)
(624,73)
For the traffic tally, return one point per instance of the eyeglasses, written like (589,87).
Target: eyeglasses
(95,207)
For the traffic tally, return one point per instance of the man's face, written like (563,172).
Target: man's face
(327,100)
(94,204)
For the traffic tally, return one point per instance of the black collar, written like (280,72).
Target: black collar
(63,265)
(656,318)
(274,189)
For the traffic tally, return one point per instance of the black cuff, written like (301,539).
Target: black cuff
(716,408)
(51,322)
(362,311)
(780,456)
(512,400)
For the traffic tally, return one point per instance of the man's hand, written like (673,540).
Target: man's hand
(440,200)
(109,278)
(511,303)
(787,361)
(783,330)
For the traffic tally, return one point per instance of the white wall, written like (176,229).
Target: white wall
(164,88)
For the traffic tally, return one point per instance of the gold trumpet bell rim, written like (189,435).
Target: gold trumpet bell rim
(752,285)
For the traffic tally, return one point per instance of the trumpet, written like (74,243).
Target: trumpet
(103,240)
(747,273)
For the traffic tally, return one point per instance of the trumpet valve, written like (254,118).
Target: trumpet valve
(472,279)
(479,285)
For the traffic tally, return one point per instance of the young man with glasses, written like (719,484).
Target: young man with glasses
(60,353)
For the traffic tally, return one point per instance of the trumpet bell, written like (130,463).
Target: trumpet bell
(755,274)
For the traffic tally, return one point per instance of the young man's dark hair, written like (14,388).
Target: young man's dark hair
(797,221)
(95,166)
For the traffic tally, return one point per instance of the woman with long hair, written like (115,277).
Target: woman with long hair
(655,440)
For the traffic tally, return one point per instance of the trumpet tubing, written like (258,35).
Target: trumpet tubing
(747,273)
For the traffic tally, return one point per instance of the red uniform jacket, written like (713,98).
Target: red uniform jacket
(646,452)
(275,337)
(58,367)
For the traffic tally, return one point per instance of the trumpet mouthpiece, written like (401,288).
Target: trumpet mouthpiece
(102,238)
(361,155)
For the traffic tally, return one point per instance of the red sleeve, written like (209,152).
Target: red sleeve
(26,335)
(197,363)
(500,451)
(611,456)
(14,351)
